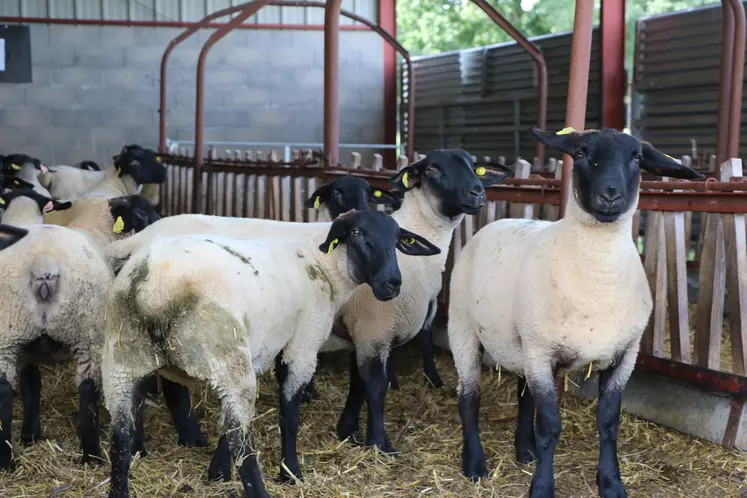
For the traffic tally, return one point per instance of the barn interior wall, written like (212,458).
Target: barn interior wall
(96,88)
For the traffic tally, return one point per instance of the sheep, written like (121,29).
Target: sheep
(25,167)
(545,296)
(197,303)
(56,281)
(134,167)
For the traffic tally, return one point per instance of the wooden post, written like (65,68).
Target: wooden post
(521,210)
(656,271)
(260,199)
(298,193)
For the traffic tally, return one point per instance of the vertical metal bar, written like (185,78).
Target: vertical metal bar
(332,80)
(388,21)
(578,85)
(614,78)
(737,79)
(517,128)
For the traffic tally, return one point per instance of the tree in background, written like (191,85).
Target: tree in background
(432,26)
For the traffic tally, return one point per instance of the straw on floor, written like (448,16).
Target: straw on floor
(424,426)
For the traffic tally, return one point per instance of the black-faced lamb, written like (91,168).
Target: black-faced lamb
(26,168)
(55,283)
(222,309)
(545,296)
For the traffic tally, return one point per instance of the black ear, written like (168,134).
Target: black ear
(382,196)
(59,206)
(493,173)
(409,177)
(415,245)
(90,166)
(659,164)
(564,140)
(338,232)
(9,235)
(318,198)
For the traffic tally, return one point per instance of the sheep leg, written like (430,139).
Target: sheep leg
(31,386)
(373,372)
(612,383)
(138,444)
(122,408)
(241,443)
(220,465)
(466,350)
(541,380)
(182,414)
(290,417)
(349,424)
(391,375)
(425,337)
(526,449)
(309,392)
(6,420)
(89,407)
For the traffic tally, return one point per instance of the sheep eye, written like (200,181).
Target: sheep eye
(336,193)
(579,154)
(356,232)
(431,168)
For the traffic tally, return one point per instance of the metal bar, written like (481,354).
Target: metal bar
(290,144)
(704,378)
(166,24)
(332,80)
(614,78)
(724,89)
(387,19)
(578,84)
(737,79)
(539,60)
(248,10)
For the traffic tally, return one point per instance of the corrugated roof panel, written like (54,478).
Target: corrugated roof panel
(10,8)
(62,9)
(88,9)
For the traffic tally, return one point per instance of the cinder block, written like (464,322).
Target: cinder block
(183,57)
(50,135)
(144,57)
(245,134)
(12,95)
(80,36)
(78,117)
(154,37)
(80,77)
(241,96)
(300,98)
(226,77)
(99,57)
(25,117)
(14,138)
(114,137)
(129,115)
(295,56)
(372,98)
(273,117)
(180,117)
(128,77)
(243,58)
(120,36)
(145,99)
(261,39)
(60,97)
(308,78)
(40,75)
(45,154)
(54,55)
(185,97)
(100,98)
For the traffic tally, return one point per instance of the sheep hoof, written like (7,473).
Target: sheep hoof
(610,487)
(386,448)
(435,382)
(287,478)
(198,441)
(526,455)
(542,490)
(29,439)
(93,459)
(476,472)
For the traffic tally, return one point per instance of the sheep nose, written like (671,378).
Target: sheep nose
(477,192)
(392,284)
(610,193)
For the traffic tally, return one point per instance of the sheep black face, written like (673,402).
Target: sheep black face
(130,213)
(346,193)
(46,204)
(89,166)
(370,238)
(453,177)
(12,163)
(142,164)
(606,168)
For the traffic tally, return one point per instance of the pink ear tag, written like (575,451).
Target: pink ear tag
(44,168)
(48,207)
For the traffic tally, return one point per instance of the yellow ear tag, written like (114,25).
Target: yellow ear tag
(119,171)
(332,246)
(566,131)
(670,157)
(2,202)
(588,374)
(317,202)
(404,180)
(15,167)
(410,240)
(480,170)
(118,225)
(377,193)
(17,182)
(158,158)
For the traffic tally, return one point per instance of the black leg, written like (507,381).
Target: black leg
(182,414)
(373,371)
(220,465)
(546,432)
(608,425)
(290,417)
(349,423)
(473,456)
(429,362)
(249,472)
(120,448)
(391,375)
(31,386)
(6,420)
(308,394)
(526,449)
(138,444)
(88,413)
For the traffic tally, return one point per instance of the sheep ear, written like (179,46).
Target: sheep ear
(659,164)
(338,232)
(318,198)
(9,235)
(414,245)
(382,196)
(493,173)
(409,177)
(61,206)
(564,140)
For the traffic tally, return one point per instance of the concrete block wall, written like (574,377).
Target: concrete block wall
(95,89)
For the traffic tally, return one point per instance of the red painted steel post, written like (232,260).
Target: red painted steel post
(737,80)
(578,85)
(614,77)
(724,89)
(539,61)
(332,81)
(388,21)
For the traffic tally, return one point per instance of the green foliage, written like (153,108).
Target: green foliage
(432,26)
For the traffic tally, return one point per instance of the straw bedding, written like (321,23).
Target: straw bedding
(423,424)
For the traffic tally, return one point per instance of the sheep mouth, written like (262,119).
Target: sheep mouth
(606,216)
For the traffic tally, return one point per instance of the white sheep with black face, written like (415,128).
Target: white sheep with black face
(25,168)
(543,296)
(221,309)
(54,284)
